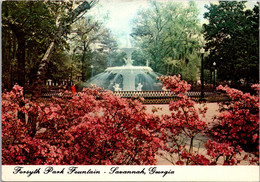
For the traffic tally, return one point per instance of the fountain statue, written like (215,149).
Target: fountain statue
(116,87)
(139,87)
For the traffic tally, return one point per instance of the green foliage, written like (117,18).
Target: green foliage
(232,37)
(27,28)
(191,68)
(62,68)
(139,58)
(91,43)
(116,59)
(167,31)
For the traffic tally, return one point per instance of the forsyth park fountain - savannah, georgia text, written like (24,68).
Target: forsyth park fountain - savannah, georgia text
(127,77)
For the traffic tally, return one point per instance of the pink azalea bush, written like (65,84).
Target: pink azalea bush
(183,125)
(95,127)
(238,120)
(238,123)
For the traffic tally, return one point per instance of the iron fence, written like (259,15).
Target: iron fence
(151,97)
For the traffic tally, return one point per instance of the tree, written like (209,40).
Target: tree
(167,30)
(190,68)
(91,43)
(232,36)
(65,20)
(62,69)
(28,27)
(9,62)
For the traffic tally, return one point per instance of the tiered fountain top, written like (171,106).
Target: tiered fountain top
(129,63)
(128,59)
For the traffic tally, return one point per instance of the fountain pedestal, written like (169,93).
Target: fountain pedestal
(128,81)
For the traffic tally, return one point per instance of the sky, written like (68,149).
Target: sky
(120,13)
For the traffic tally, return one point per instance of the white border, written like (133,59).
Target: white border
(181,173)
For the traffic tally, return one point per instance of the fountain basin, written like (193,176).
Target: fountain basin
(127,78)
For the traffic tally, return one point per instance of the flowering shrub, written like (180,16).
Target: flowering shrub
(238,123)
(217,150)
(94,127)
(238,120)
(119,132)
(19,146)
(184,123)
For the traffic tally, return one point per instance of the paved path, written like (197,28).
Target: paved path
(212,109)
(210,114)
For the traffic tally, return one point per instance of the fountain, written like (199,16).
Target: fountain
(127,77)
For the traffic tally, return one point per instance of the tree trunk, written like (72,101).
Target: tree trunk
(21,59)
(20,53)
(37,85)
(83,64)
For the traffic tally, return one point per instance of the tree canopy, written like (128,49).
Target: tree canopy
(32,32)
(27,28)
(58,35)
(90,44)
(232,37)
(167,31)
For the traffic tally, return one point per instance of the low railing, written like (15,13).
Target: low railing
(150,97)
(156,94)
